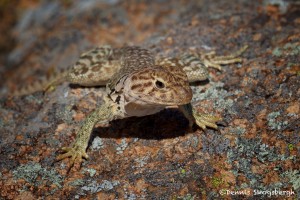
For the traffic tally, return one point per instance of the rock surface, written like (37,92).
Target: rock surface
(255,149)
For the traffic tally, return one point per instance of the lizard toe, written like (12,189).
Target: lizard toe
(75,154)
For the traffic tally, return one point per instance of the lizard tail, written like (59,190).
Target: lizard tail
(43,85)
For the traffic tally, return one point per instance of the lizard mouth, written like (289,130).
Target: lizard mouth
(184,97)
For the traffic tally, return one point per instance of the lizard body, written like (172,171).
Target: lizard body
(137,84)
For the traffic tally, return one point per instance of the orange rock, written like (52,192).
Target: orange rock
(257,36)
(293,108)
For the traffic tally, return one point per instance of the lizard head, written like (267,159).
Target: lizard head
(158,85)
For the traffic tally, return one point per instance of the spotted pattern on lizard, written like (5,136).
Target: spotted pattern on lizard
(137,84)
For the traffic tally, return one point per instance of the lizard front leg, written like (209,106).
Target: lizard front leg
(201,119)
(77,151)
(195,67)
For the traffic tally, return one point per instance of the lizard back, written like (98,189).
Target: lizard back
(131,59)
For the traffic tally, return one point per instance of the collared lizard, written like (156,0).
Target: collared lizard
(137,84)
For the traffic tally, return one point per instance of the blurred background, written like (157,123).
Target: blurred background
(44,34)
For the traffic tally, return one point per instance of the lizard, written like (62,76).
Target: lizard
(137,84)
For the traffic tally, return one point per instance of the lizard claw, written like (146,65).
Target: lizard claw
(76,154)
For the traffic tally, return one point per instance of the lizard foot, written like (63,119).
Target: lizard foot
(211,60)
(206,120)
(201,119)
(76,153)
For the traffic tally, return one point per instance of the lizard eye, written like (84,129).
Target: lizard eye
(159,84)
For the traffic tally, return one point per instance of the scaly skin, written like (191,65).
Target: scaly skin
(137,85)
